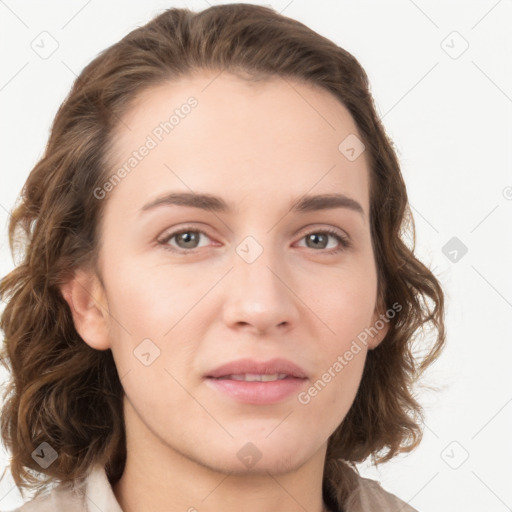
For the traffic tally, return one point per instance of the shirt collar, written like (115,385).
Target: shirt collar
(99,494)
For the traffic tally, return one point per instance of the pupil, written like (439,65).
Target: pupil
(315,237)
(187,238)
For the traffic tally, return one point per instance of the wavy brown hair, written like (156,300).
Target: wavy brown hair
(62,391)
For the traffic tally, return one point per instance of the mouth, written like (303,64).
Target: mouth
(258,383)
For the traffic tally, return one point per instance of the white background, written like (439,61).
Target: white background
(450,119)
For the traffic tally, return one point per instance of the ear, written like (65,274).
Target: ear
(85,296)
(379,326)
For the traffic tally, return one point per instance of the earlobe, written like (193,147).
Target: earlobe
(86,299)
(379,329)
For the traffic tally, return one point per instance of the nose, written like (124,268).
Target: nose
(259,297)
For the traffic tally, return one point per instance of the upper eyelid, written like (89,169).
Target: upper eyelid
(176,231)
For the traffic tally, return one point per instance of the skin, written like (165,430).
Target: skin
(261,147)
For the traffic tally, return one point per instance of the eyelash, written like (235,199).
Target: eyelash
(343,241)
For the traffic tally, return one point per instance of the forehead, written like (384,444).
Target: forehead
(239,136)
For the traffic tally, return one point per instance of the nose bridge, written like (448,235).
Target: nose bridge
(253,267)
(258,295)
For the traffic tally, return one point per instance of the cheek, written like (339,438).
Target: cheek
(150,300)
(332,392)
(148,314)
(347,305)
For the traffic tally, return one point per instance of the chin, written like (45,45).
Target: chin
(257,455)
(274,463)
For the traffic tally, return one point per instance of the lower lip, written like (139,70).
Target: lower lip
(258,393)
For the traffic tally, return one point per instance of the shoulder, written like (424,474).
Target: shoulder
(60,498)
(348,491)
(70,497)
(370,496)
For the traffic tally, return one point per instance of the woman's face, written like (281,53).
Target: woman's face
(250,278)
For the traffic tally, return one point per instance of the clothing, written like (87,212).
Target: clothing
(95,493)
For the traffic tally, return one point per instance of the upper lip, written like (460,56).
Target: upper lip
(270,367)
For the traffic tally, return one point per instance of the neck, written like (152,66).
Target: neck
(157,477)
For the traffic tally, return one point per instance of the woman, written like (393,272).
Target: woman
(222,308)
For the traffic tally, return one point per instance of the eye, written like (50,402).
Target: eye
(319,240)
(187,239)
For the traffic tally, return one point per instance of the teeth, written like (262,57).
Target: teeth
(255,377)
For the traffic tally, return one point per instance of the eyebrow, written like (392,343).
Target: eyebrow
(213,203)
